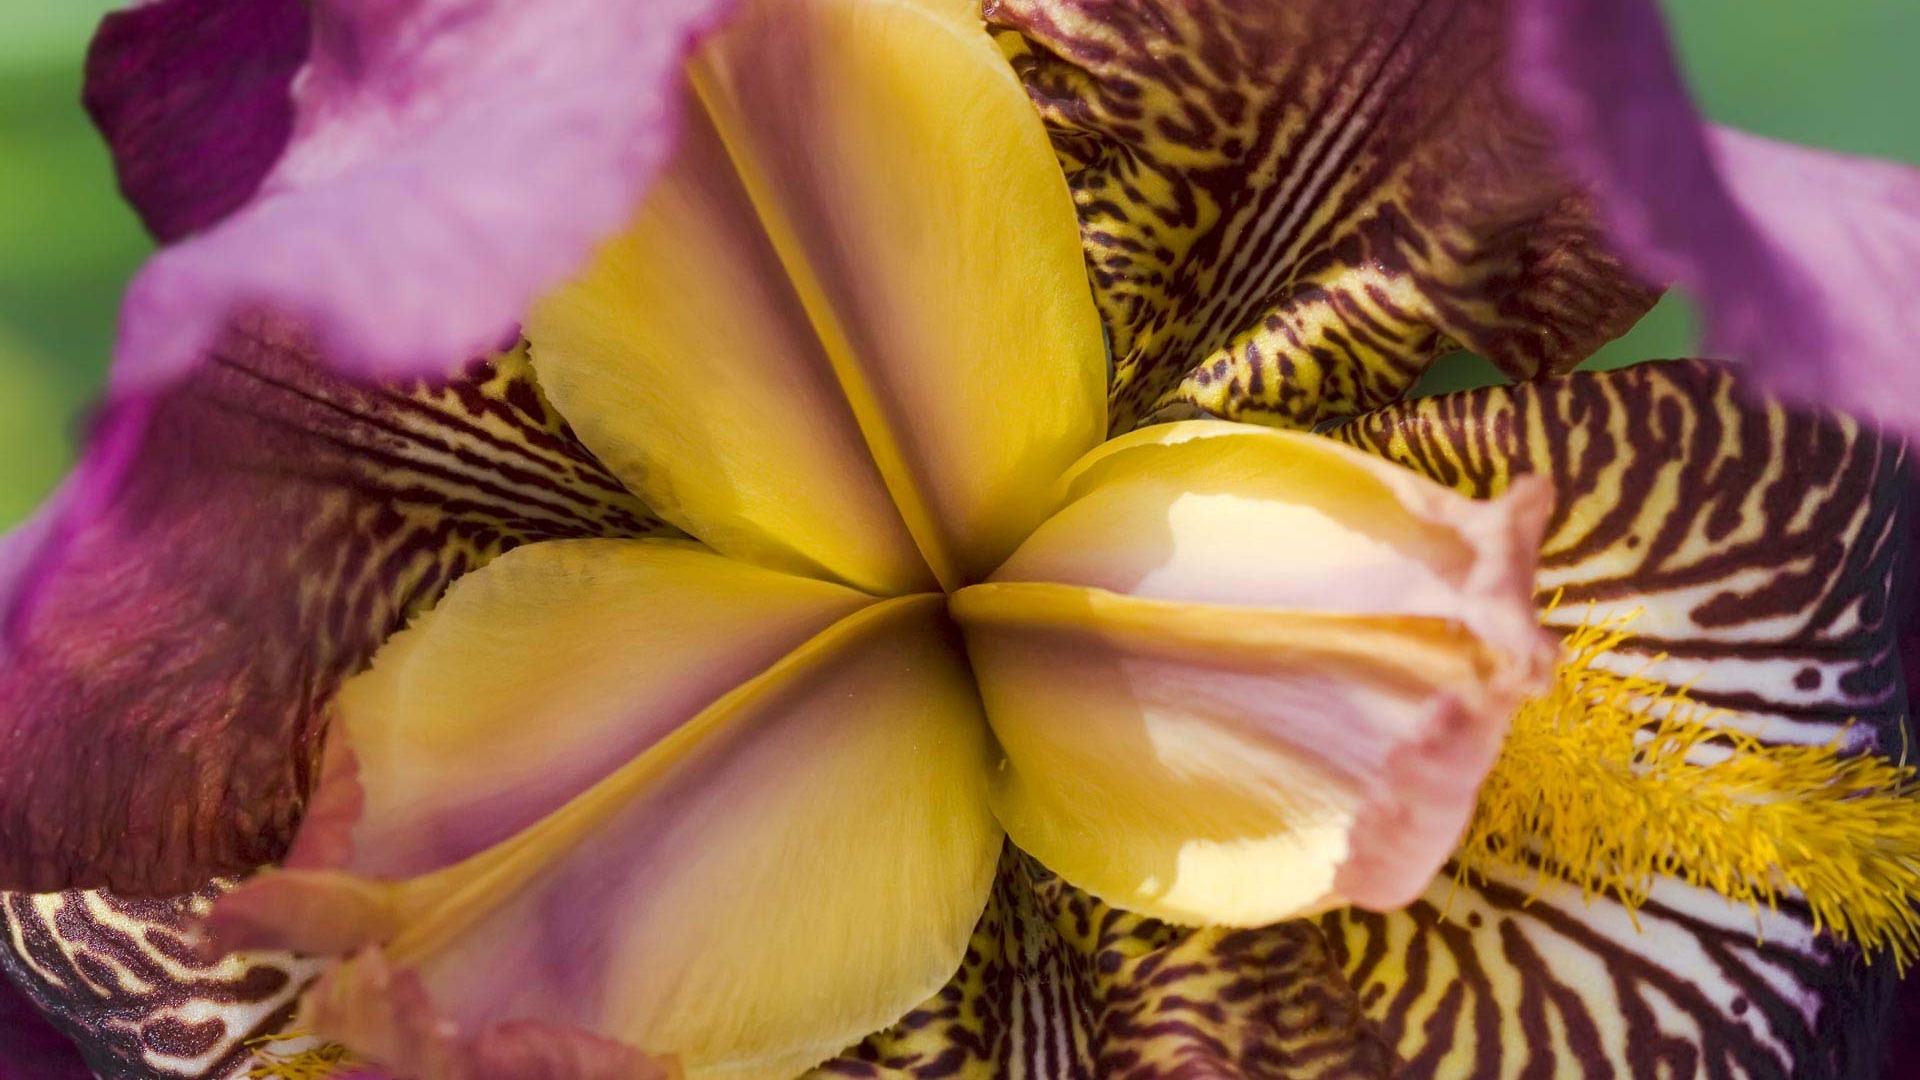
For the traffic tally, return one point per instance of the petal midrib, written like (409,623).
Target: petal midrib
(879,425)
(444,904)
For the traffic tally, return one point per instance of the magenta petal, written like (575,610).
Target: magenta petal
(192,97)
(1802,261)
(449,159)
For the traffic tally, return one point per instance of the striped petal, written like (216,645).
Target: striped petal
(227,552)
(1761,545)
(856,358)
(1800,259)
(740,878)
(1057,984)
(125,979)
(1291,209)
(1252,735)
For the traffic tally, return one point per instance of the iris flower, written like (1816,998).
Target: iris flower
(764,659)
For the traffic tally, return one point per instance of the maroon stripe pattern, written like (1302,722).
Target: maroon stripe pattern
(277,526)
(1760,547)
(1290,209)
(124,978)
(1059,986)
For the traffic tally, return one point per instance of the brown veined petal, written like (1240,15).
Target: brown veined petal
(1291,209)
(792,868)
(124,978)
(225,554)
(1246,674)
(858,289)
(1059,985)
(537,677)
(1760,544)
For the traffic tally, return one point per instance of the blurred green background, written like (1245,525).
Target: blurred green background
(1840,73)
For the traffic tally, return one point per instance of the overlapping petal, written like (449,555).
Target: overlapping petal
(931,318)
(1291,209)
(1058,984)
(1245,674)
(540,676)
(225,554)
(193,98)
(1760,544)
(1800,259)
(448,160)
(795,865)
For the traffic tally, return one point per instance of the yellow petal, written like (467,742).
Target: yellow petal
(1243,674)
(797,866)
(540,674)
(863,274)
(1237,514)
(1212,766)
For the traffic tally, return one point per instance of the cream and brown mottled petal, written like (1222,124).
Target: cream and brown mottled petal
(1290,209)
(226,554)
(1760,545)
(125,978)
(1058,986)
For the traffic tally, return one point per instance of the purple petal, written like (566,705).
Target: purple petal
(226,552)
(449,159)
(192,98)
(1801,260)
(30,1048)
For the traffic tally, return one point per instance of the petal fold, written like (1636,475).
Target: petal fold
(880,299)
(794,867)
(448,160)
(1800,259)
(1255,734)
(226,553)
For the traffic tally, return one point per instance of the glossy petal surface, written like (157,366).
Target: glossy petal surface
(1193,731)
(540,675)
(1801,260)
(1291,209)
(227,552)
(931,319)
(194,99)
(794,867)
(1760,544)
(448,160)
